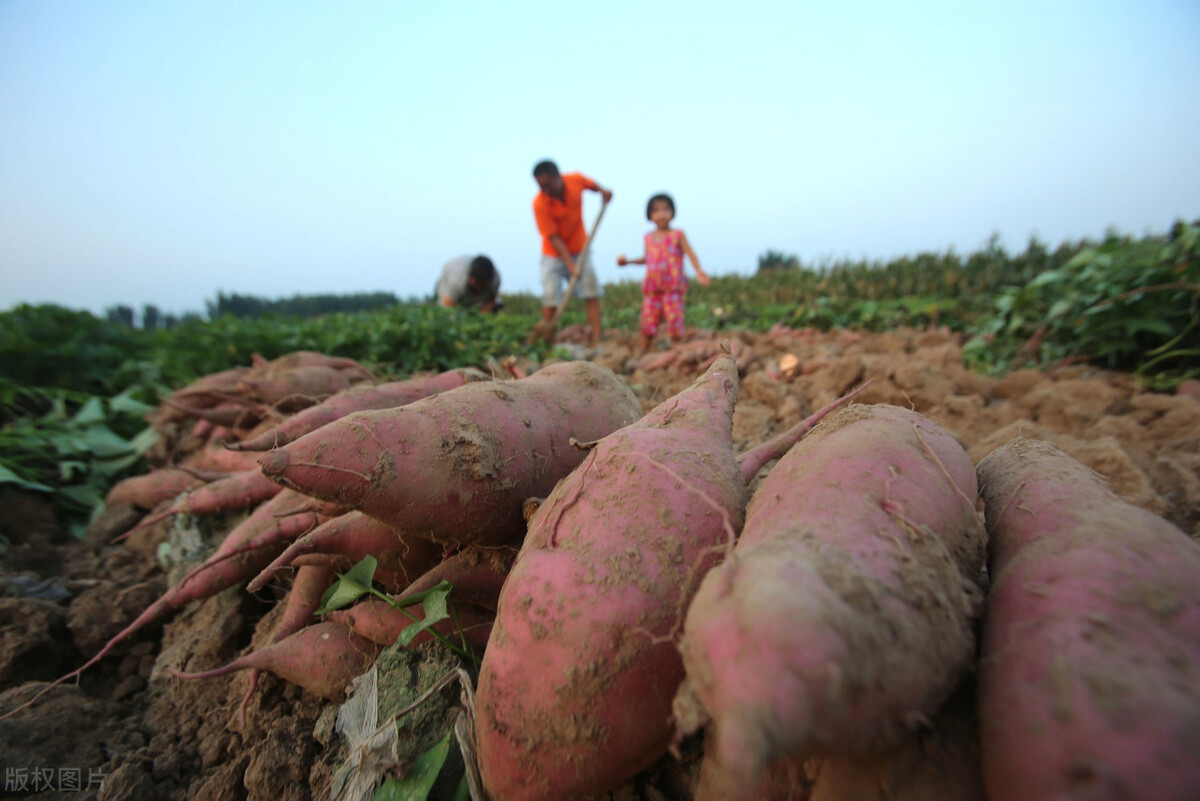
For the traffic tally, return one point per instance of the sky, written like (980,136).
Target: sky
(159,153)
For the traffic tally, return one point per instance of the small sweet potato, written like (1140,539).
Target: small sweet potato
(355,535)
(381,622)
(237,491)
(322,658)
(150,489)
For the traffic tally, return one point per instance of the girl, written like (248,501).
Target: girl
(665,283)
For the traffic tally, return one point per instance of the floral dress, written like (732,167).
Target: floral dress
(664,285)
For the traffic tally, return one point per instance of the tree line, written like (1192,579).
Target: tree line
(249,307)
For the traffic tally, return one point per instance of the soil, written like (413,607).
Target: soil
(130,730)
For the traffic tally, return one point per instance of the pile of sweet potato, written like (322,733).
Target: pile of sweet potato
(880,619)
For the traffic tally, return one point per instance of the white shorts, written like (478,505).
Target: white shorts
(554,278)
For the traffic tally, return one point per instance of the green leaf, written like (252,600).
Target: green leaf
(103,443)
(92,412)
(1153,325)
(434,604)
(418,782)
(144,440)
(1059,308)
(67,470)
(85,495)
(124,404)
(1081,258)
(349,588)
(110,468)
(9,477)
(1048,277)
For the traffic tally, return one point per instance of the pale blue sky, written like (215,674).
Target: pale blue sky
(157,152)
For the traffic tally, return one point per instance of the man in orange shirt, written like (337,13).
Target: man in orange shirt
(558,209)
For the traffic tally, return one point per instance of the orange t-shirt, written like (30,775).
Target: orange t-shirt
(563,217)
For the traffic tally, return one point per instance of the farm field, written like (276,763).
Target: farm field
(156,736)
(1092,347)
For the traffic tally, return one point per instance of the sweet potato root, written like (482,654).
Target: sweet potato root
(150,489)
(1090,666)
(322,658)
(303,599)
(456,467)
(316,382)
(355,535)
(381,623)
(478,574)
(364,397)
(237,559)
(238,491)
(845,613)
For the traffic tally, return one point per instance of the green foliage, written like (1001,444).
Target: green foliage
(49,346)
(417,783)
(775,260)
(435,604)
(237,305)
(74,450)
(1124,304)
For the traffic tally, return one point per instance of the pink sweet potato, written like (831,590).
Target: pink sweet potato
(215,456)
(575,688)
(237,559)
(355,535)
(203,392)
(303,600)
(236,492)
(477,573)
(150,489)
(845,613)
(316,382)
(456,467)
(1090,668)
(226,413)
(364,397)
(303,358)
(381,622)
(322,658)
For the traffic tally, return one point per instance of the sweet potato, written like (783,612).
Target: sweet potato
(456,467)
(316,382)
(322,658)
(226,413)
(381,622)
(150,489)
(1090,667)
(203,392)
(363,397)
(303,599)
(478,574)
(303,358)
(236,492)
(356,535)
(575,688)
(237,559)
(845,613)
(215,456)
